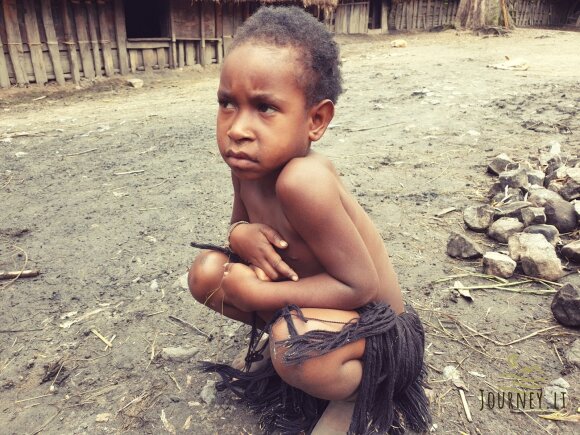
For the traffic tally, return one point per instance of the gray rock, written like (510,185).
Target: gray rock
(573,354)
(555,395)
(503,228)
(566,305)
(571,188)
(571,251)
(533,216)
(535,176)
(557,173)
(208,394)
(478,218)
(576,205)
(179,353)
(497,264)
(460,246)
(499,164)
(512,209)
(506,197)
(514,178)
(550,232)
(560,382)
(136,83)
(559,212)
(537,255)
(182,282)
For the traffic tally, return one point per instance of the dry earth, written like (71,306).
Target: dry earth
(412,136)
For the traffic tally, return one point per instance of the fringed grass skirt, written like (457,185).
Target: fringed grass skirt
(390,396)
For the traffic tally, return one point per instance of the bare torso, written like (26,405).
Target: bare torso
(263,206)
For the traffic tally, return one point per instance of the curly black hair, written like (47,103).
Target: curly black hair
(293,27)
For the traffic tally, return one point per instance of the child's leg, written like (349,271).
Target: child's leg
(205,278)
(334,376)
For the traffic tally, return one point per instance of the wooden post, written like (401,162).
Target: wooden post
(121,32)
(4,77)
(31,25)
(219,32)
(384,17)
(84,44)
(51,41)
(14,41)
(202,59)
(105,38)
(173,45)
(427,15)
(92,16)
(70,43)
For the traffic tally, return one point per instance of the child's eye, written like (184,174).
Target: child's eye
(265,108)
(225,104)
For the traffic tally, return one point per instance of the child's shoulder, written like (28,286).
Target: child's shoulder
(305,176)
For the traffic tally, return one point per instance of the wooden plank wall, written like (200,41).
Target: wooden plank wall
(43,40)
(422,14)
(536,13)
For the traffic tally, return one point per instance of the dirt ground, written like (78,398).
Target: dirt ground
(103,188)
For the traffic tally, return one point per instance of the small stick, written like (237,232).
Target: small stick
(33,398)
(4,274)
(153,346)
(139,171)
(175,381)
(81,152)
(151,208)
(103,339)
(557,353)
(196,329)
(57,373)
(465,405)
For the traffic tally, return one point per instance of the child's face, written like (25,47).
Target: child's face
(262,120)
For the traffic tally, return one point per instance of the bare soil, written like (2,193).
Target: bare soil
(413,134)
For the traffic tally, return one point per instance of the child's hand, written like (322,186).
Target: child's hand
(260,274)
(255,243)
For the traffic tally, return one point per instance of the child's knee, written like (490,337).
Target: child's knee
(205,274)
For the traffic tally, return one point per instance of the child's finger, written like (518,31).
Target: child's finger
(260,274)
(282,268)
(273,237)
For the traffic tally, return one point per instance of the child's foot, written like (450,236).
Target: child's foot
(239,362)
(336,419)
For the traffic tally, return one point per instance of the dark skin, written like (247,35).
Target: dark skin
(309,242)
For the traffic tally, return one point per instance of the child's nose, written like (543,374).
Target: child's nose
(240,129)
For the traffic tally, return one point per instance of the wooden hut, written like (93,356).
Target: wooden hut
(67,40)
(62,40)
(382,16)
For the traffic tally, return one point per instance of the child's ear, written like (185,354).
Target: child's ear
(320,116)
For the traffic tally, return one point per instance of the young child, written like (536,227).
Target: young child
(309,266)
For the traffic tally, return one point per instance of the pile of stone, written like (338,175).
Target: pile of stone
(535,212)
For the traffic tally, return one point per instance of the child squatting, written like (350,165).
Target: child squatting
(333,349)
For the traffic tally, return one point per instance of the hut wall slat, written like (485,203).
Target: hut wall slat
(105,39)
(70,43)
(4,76)
(121,34)
(52,41)
(14,41)
(181,54)
(149,59)
(162,58)
(93,32)
(33,38)
(83,41)
(384,17)
(190,53)
(133,60)
(219,31)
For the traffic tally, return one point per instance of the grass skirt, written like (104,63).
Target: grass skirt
(390,396)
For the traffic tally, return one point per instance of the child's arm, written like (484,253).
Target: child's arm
(310,197)
(253,242)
